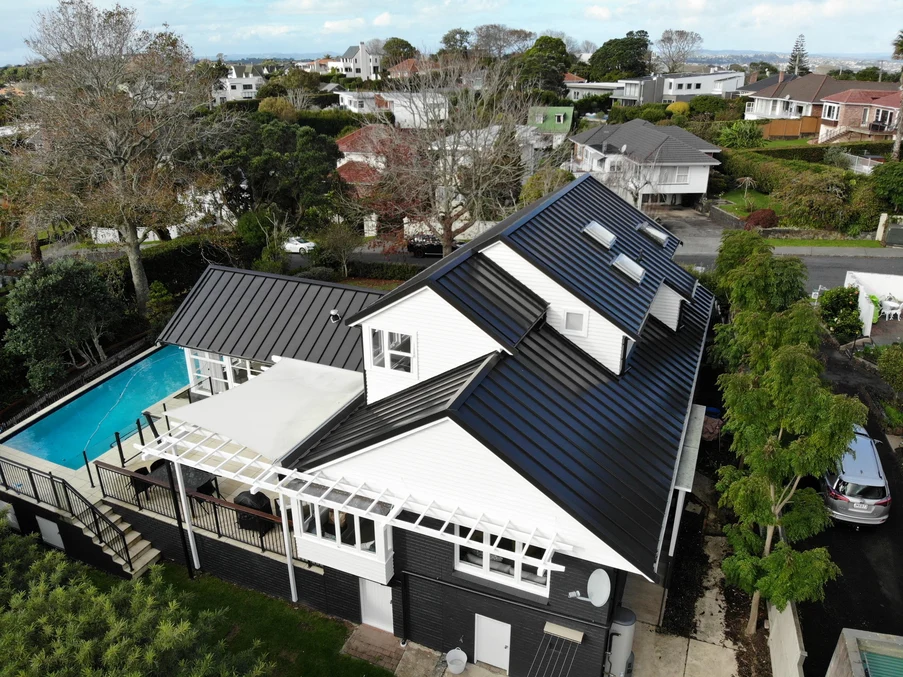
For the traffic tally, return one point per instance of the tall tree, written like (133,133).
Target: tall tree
(118,119)
(456,42)
(463,164)
(799,57)
(396,50)
(498,40)
(763,68)
(675,48)
(621,57)
(543,65)
(786,425)
(898,54)
(571,43)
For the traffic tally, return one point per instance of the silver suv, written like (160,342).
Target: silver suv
(858,491)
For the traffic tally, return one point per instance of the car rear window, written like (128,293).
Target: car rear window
(861,490)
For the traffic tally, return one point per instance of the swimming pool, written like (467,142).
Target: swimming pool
(89,421)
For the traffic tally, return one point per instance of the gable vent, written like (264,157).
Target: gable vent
(648,229)
(600,234)
(629,267)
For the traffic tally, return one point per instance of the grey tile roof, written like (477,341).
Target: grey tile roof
(351,52)
(252,315)
(648,143)
(759,85)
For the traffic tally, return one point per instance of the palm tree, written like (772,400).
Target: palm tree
(898,54)
(746,182)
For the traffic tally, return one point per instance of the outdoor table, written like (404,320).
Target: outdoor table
(192,477)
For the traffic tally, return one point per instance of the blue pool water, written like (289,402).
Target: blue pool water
(89,421)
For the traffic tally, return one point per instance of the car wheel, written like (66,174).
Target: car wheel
(419,253)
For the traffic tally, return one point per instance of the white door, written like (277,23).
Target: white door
(50,533)
(492,642)
(10,515)
(376,605)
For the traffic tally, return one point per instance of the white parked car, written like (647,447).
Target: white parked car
(298,245)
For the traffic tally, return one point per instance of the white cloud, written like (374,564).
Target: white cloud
(598,12)
(383,19)
(343,25)
(266,30)
(299,7)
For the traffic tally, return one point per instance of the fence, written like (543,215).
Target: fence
(791,129)
(861,165)
(785,642)
(43,487)
(225,520)
(83,378)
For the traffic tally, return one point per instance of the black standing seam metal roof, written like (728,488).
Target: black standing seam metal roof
(604,448)
(253,315)
(548,233)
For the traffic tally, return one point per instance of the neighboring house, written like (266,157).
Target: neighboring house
(570,77)
(859,115)
(456,459)
(316,66)
(755,85)
(671,87)
(366,145)
(553,123)
(241,83)
(581,90)
(331,88)
(358,62)
(802,96)
(411,110)
(646,163)
(410,67)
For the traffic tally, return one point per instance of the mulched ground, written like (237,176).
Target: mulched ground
(690,566)
(753,657)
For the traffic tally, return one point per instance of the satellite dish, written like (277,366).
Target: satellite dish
(624,148)
(598,588)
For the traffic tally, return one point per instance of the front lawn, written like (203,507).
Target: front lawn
(738,208)
(787,143)
(867,244)
(370,283)
(300,641)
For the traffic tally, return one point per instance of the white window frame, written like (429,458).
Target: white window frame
(584,332)
(866,113)
(382,534)
(674,175)
(484,571)
(831,112)
(559,118)
(388,353)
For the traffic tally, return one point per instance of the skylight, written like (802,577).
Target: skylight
(629,267)
(601,234)
(648,229)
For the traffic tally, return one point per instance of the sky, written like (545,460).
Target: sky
(235,27)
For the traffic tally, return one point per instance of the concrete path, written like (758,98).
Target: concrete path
(708,246)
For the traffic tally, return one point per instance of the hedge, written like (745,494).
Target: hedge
(331,122)
(179,263)
(816,153)
(379,270)
(768,173)
(244,105)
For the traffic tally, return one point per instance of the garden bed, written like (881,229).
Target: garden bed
(753,654)
(690,567)
(736,202)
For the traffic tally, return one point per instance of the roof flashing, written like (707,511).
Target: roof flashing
(629,267)
(600,234)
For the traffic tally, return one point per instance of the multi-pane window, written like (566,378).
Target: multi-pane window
(392,350)
(698,85)
(675,174)
(500,559)
(342,528)
(830,112)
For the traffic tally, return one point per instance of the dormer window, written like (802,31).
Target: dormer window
(559,118)
(630,268)
(651,231)
(600,234)
(391,350)
(538,118)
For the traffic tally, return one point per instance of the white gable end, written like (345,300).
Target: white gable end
(666,306)
(600,338)
(444,463)
(443,339)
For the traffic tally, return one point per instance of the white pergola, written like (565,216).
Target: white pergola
(190,445)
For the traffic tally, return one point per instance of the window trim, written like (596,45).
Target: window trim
(387,352)
(483,570)
(572,332)
(831,111)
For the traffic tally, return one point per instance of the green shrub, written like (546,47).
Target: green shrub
(161,304)
(332,122)
(651,112)
(718,183)
(865,206)
(379,270)
(320,273)
(741,134)
(835,156)
(817,153)
(890,366)
(887,180)
(678,108)
(243,105)
(707,104)
(894,415)
(680,120)
(840,313)
(812,200)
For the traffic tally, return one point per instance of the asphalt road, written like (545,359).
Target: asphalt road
(869,593)
(829,271)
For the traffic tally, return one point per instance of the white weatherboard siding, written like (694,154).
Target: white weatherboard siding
(344,558)
(443,463)
(443,338)
(603,339)
(666,306)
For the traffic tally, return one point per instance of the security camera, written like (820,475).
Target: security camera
(334,316)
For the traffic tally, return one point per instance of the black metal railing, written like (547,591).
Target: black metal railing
(208,513)
(46,488)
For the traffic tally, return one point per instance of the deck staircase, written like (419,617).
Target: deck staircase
(110,534)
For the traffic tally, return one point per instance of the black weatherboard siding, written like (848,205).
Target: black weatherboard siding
(252,315)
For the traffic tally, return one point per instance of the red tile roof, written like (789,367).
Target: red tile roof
(856,96)
(367,139)
(412,66)
(889,100)
(357,172)
(570,77)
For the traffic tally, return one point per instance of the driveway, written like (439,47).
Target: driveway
(869,594)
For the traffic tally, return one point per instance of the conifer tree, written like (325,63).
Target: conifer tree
(799,57)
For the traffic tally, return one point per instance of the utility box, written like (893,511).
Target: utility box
(620,657)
